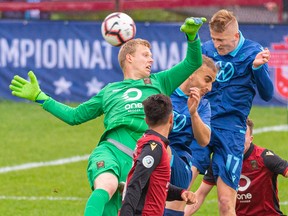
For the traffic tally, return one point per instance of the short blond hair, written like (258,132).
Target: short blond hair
(221,20)
(129,48)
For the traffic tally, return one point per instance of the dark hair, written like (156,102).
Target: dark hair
(157,109)
(250,124)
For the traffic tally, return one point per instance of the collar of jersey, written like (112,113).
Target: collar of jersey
(240,44)
(181,93)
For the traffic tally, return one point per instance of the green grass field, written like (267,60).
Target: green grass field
(56,187)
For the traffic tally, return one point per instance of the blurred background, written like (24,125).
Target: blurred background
(61,42)
(257,11)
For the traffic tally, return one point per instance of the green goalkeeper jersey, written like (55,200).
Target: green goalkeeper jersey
(121,102)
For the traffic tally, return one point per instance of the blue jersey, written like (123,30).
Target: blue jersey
(181,136)
(236,83)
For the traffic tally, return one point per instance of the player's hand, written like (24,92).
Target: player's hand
(194,100)
(25,89)
(189,197)
(261,58)
(191,26)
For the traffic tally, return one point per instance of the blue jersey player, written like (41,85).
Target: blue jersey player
(242,69)
(191,131)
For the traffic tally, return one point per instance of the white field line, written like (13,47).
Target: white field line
(50,198)
(43,164)
(269,129)
(33,198)
(85,157)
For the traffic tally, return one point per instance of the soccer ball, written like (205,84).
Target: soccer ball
(118,28)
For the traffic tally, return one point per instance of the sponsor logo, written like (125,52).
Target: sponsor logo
(244,198)
(148,161)
(179,121)
(226,71)
(132,94)
(244,185)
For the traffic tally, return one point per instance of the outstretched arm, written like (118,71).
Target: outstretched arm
(29,90)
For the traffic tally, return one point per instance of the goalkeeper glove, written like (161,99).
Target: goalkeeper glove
(28,90)
(191,27)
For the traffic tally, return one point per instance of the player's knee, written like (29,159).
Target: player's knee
(225,205)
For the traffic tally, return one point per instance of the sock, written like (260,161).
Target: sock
(170,212)
(96,203)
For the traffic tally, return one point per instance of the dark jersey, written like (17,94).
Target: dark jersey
(148,180)
(258,191)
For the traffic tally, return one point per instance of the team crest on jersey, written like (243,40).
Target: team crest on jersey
(100,164)
(153,145)
(254,164)
(269,153)
(147,81)
(148,161)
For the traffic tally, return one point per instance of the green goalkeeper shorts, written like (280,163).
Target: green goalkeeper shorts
(107,158)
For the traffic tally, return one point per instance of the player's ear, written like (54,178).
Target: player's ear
(129,57)
(171,118)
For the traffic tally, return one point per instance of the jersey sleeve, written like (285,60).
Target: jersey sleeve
(274,163)
(174,193)
(76,115)
(146,163)
(263,82)
(171,78)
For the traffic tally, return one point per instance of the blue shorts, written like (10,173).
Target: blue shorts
(228,148)
(200,157)
(181,173)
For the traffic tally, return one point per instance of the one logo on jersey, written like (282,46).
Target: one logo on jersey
(254,164)
(269,153)
(179,121)
(148,161)
(226,71)
(100,164)
(244,184)
(132,94)
(153,145)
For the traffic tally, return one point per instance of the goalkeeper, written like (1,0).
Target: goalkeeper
(121,103)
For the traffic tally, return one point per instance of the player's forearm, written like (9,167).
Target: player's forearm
(174,77)
(201,132)
(264,83)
